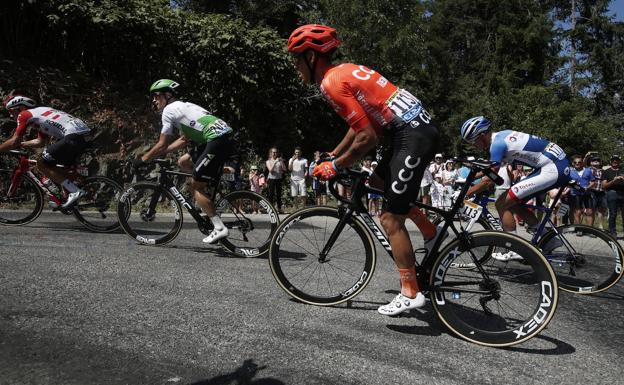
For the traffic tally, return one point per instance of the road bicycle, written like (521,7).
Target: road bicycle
(585,259)
(326,256)
(22,190)
(151,213)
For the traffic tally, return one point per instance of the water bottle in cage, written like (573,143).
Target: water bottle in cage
(50,185)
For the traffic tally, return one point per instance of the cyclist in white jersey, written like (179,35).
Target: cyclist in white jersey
(194,124)
(551,168)
(72,137)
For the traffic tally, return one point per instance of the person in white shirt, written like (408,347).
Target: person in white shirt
(298,167)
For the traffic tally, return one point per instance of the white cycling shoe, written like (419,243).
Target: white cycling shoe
(215,235)
(508,256)
(72,198)
(401,303)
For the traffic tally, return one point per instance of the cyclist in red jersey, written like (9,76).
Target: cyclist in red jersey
(72,136)
(374,107)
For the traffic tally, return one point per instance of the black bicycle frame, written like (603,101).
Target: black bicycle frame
(483,201)
(164,181)
(354,206)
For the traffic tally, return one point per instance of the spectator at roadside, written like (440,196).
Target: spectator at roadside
(298,167)
(254,184)
(599,196)
(580,201)
(374,200)
(614,184)
(447,177)
(425,187)
(319,187)
(276,167)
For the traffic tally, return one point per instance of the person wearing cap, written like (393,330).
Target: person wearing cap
(614,185)
(254,184)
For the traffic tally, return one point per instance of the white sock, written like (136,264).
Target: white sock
(514,231)
(70,186)
(217,222)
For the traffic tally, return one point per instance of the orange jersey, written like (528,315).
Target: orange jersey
(362,96)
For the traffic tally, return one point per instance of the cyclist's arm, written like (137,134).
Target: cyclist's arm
(39,141)
(345,143)
(11,143)
(177,144)
(159,148)
(364,140)
(484,185)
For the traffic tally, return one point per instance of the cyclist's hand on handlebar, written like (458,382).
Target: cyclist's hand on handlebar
(325,171)
(138,162)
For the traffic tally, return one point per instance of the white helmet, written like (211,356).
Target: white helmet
(474,127)
(17,101)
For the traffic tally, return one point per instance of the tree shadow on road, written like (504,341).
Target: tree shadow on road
(241,376)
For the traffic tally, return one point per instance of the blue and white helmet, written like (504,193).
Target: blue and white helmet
(474,127)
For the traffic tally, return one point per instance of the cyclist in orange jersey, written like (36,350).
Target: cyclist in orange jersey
(374,107)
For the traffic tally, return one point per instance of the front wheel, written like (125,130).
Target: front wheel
(496,303)
(585,259)
(97,210)
(21,200)
(251,221)
(149,214)
(299,267)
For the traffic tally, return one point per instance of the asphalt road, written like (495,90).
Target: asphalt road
(84,308)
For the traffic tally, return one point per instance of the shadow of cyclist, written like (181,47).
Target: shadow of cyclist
(241,376)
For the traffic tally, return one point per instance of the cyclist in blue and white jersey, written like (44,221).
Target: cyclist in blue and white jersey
(551,169)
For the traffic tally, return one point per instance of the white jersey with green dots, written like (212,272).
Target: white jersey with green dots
(193,122)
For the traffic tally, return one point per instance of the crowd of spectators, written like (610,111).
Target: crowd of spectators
(600,199)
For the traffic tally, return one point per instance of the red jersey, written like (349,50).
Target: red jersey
(50,122)
(362,96)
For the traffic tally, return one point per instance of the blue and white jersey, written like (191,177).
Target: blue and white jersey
(508,146)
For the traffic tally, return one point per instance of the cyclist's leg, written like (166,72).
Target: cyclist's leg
(208,167)
(65,152)
(185,162)
(376,180)
(542,179)
(413,149)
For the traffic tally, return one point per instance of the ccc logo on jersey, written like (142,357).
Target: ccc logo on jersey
(362,73)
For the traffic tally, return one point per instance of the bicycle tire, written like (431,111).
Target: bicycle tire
(596,263)
(529,288)
(24,205)
(249,234)
(295,249)
(149,228)
(97,210)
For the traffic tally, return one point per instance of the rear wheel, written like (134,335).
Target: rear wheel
(496,303)
(21,200)
(149,214)
(251,221)
(585,259)
(97,210)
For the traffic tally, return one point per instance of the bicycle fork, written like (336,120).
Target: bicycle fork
(334,235)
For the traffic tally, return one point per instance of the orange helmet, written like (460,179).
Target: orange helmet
(316,37)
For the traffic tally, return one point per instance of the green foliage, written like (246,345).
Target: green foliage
(508,59)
